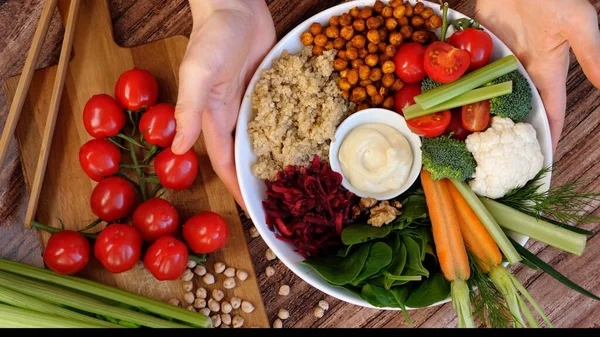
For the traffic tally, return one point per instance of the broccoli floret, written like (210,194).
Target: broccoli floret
(445,157)
(428,84)
(515,105)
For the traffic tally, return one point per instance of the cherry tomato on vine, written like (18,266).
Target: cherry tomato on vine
(102,116)
(444,63)
(205,232)
(136,88)
(158,124)
(166,258)
(431,125)
(176,172)
(118,247)
(477,42)
(99,158)
(406,96)
(476,116)
(155,218)
(409,62)
(455,126)
(112,199)
(67,252)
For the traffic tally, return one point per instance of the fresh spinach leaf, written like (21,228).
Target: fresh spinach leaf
(414,208)
(381,298)
(340,270)
(414,264)
(379,257)
(362,232)
(430,291)
(396,267)
(344,251)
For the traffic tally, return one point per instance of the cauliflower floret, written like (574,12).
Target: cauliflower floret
(508,155)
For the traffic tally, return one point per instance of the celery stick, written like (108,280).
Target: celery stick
(473,96)
(488,221)
(104,291)
(11,317)
(75,300)
(518,222)
(19,300)
(468,82)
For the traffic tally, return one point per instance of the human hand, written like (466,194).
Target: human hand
(540,33)
(228,41)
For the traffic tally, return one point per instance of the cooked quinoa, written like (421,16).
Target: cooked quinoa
(296,105)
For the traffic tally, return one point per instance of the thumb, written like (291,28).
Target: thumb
(584,38)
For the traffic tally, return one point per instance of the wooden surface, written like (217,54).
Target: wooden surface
(136,22)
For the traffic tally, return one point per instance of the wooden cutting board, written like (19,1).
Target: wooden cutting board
(96,64)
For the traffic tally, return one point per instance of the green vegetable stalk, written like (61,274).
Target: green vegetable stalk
(12,317)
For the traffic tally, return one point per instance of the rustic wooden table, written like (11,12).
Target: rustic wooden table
(136,22)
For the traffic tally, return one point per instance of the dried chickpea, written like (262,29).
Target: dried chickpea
(396,38)
(329,45)
(391,23)
(419,8)
(409,9)
(372,48)
(340,64)
(403,21)
(353,76)
(362,53)
(365,13)
(377,99)
(345,19)
(342,55)
(378,6)
(358,94)
(373,36)
(388,67)
(388,103)
(417,21)
(344,73)
(357,63)
(339,43)
(399,12)
(362,106)
(354,11)
(373,23)
(321,40)
(390,51)
(317,50)
(375,75)
(347,32)
(387,12)
(358,41)
(427,13)
(332,32)
(351,53)
(388,80)
(395,3)
(363,71)
(316,29)
(420,36)
(435,21)
(406,32)
(344,85)
(359,25)
(371,60)
(371,90)
(334,20)
(397,85)
(381,47)
(345,94)
(306,38)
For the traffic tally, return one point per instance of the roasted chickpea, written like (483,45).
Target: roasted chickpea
(395,38)
(358,41)
(344,85)
(348,45)
(357,63)
(351,53)
(395,3)
(435,21)
(390,51)
(362,53)
(378,6)
(383,91)
(345,19)
(399,12)
(342,55)
(316,29)
(372,48)
(365,13)
(344,73)
(387,12)
(354,11)
(375,74)
(420,36)
(403,21)
(340,64)
(359,25)
(371,90)
(397,85)
(419,7)
(363,72)
(377,99)
(345,94)
(332,32)
(382,34)
(352,76)
(347,32)
(406,32)
(358,94)
(373,23)
(388,103)
(417,21)
(409,9)
(320,40)
(391,23)
(427,13)
(371,60)
(362,106)
(388,80)
(339,43)
(381,20)
(382,59)
(317,50)
(365,83)
(306,38)
(381,47)
(329,45)
(373,36)
(334,21)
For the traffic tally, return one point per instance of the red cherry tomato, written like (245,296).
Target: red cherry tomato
(477,42)
(136,89)
(155,218)
(118,247)
(99,158)
(158,124)
(455,127)
(476,116)
(444,63)
(67,252)
(205,232)
(166,258)
(406,97)
(409,62)
(102,116)
(176,172)
(431,125)
(112,199)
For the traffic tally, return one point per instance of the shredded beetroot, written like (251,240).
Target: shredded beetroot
(308,206)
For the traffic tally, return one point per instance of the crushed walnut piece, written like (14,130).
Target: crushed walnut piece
(382,214)
(367,203)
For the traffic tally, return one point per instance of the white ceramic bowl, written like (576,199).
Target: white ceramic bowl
(253,189)
(383,116)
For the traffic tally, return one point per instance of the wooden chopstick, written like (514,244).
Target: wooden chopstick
(57,90)
(25,80)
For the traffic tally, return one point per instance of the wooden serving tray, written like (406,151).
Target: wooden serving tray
(95,66)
